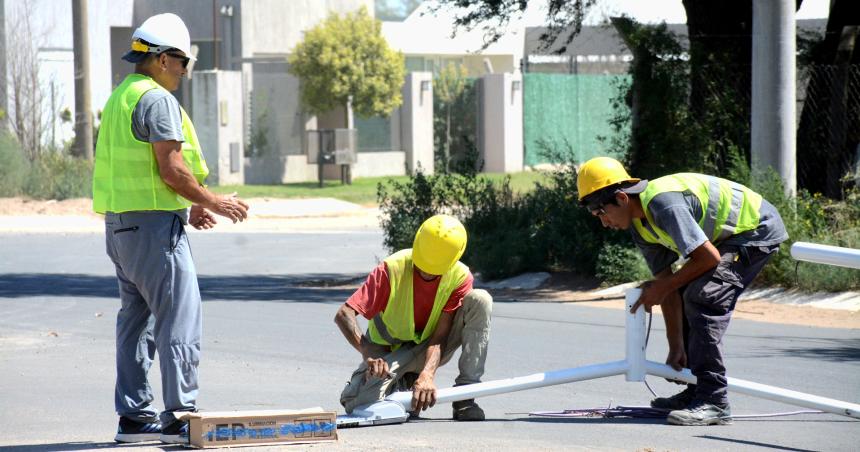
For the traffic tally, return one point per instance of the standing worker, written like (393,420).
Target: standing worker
(727,233)
(421,308)
(149,171)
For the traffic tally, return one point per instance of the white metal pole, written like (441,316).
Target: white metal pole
(635,325)
(765,392)
(826,254)
(539,380)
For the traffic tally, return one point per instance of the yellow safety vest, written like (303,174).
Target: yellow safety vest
(125,176)
(395,325)
(728,208)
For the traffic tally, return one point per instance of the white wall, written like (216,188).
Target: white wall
(218,119)
(502,148)
(416,119)
(375,164)
(276,26)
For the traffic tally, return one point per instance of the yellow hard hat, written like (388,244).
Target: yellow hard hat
(438,245)
(598,173)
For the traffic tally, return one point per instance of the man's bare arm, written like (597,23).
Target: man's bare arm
(174,173)
(347,322)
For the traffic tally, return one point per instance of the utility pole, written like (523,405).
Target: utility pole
(83,111)
(774,127)
(214,34)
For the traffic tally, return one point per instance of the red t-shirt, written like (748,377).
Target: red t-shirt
(372,297)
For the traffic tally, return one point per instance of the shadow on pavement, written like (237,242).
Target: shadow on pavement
(836,350)
(738,442)
(305,288)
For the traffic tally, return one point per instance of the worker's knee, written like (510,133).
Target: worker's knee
(479,300)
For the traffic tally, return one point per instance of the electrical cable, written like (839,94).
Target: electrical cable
(648,336)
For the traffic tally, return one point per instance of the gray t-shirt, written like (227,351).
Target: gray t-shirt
(157,117)
(677,214)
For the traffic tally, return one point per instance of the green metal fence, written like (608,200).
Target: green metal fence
(374,133)
(574,109)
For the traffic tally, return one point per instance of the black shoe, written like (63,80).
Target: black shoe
(678,401)
(701,413)
(131,431)
(175,433)
(467,410)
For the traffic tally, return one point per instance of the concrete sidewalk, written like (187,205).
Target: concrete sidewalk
(265,215)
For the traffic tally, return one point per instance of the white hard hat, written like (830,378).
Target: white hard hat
(163,31)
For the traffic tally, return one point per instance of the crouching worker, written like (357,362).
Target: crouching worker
(726,231)
(421,308)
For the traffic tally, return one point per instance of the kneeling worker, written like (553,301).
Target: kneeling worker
(421,308)
(725,230)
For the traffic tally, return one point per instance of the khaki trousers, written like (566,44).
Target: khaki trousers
(470,331)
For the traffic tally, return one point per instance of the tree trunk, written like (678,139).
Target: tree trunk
(720,34)
(828,134)
(447,162)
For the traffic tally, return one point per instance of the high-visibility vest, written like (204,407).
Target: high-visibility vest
(125,176)
(728,208)
(395,325)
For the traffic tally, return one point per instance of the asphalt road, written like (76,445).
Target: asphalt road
(270,343)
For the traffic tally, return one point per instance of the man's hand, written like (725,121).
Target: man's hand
(376,367)
(229,206)
(200,218)
(677,359)
(653,293)
(423,393)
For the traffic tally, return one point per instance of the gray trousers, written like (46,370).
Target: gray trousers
(471,331)
(161,312)
(708,305)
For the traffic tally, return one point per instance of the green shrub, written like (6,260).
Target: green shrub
(59,176)
(619,264)
(543,230)
(816,219)
(14,166)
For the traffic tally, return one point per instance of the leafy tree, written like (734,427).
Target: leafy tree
(653,109)
(346,58)
(494,15)
(448,86)
(720,69)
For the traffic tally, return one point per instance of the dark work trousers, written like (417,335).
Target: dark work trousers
(708,305)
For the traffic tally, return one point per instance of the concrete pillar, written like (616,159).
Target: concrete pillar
(4,108)
(218,115)
(502,109)
(774,128)
(416,121)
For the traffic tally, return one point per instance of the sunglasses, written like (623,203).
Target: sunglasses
(598,211)
(184,59)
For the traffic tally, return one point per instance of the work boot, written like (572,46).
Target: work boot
(678,401)
(467,410)
(701,413)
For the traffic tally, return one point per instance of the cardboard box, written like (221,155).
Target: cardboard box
(235,428)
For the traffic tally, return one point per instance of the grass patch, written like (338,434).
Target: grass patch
(363,190)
